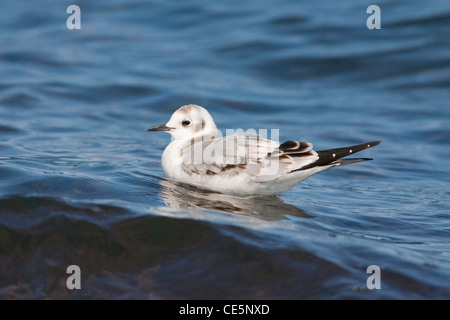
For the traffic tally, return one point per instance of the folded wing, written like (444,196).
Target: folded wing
(260,158)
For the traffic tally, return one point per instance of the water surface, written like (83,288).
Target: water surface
(81,180)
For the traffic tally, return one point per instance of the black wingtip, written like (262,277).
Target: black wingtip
(333,156)
(342,152)
(374,143)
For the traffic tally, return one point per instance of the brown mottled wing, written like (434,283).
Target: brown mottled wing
(296,149)
(293,154)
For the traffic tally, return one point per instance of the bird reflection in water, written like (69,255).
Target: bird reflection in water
(178,195)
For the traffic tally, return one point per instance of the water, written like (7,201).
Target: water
(81,180)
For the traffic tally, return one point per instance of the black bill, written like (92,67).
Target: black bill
(161,127)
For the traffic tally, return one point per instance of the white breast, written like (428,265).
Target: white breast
(172,160)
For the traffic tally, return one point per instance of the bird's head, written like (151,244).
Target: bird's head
(189,122)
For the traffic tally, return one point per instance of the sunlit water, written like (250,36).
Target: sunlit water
(81,180)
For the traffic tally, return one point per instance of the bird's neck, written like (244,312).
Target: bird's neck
(193,140)
(207,134)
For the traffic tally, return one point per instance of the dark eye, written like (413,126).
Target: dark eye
(186,123)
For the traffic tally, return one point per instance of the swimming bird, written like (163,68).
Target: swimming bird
(242,163)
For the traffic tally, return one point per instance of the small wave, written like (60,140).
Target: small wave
(8,129)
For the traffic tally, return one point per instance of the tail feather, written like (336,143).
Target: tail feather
(343,162)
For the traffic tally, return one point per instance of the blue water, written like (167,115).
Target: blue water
(81,180)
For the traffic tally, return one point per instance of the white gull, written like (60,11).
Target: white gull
(243,163)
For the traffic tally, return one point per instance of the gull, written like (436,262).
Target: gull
(243,163)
